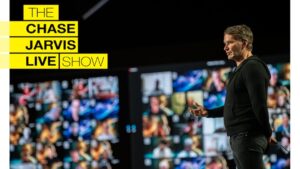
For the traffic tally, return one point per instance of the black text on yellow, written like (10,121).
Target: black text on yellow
(40,61)
(51,45)
(50,28)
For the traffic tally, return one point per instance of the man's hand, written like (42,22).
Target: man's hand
(198,110)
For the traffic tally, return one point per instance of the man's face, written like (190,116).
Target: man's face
(232,47)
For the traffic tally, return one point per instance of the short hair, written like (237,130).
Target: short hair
(242,33)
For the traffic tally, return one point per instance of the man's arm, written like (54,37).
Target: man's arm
(256,81)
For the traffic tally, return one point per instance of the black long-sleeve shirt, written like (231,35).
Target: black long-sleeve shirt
(245,107)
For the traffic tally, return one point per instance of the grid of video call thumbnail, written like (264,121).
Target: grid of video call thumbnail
(67,124)
(173,138)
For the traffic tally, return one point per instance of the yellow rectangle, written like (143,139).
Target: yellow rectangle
(34,61)
(44,45)
(4,44)
(84,61)
(40,12)
(4,61)
(43,28)
(4,28)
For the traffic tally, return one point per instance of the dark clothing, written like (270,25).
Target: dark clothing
(245,107)
(248,150)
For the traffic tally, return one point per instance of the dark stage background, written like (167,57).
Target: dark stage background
(149,32)
(145,33)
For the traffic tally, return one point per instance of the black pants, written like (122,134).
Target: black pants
(248,150)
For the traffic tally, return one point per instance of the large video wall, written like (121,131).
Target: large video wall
(173,138)
(88,122)
(64,124)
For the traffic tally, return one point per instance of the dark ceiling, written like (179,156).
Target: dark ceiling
(146,32)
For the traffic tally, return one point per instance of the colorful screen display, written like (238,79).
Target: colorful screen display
(64,124)
(173,138)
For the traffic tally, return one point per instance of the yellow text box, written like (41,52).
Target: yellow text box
(4,61)
(4,44)
(43,45)
(4,28)
(84,61)
(40,12)
(46,28)
(34,61)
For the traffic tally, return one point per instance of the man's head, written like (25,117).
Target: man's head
(238,41)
